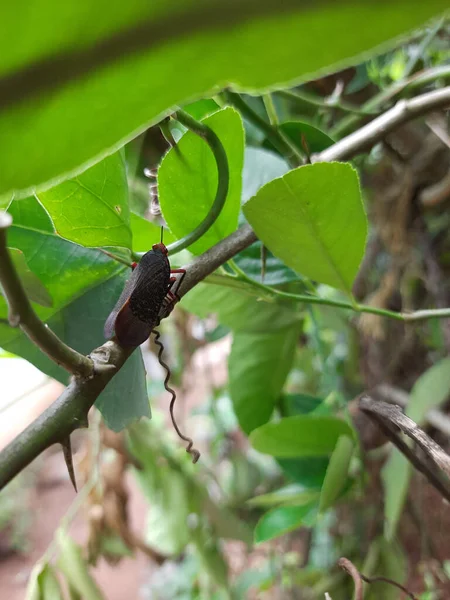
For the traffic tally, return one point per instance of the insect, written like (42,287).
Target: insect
(148,296)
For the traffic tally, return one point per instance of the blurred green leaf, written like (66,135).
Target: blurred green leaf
(92,208)
(102,74)
(309,471)
(315,139)
(396,475)
(201,108)
(305,217)
(299,404)
(35,290)
(75,569)
(258,366)
(49,584)
(187,181)
(430,390)
(145,234)
(300,436)
(337,473)
(238,310)
(290,495)
(283,519)
(391,562)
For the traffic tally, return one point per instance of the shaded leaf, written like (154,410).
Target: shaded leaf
(92,208)
(283,519)
(35,290)
(238,310)
(187,181)
(337,472)
(305,218)
(75,569)
(258,366)
(396,475)
(290,495)
(429,391)
(300,436)
(103,73)
(145,234)
(309,472)
(315,139)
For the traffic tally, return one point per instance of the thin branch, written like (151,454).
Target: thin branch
(436,418)
(250,285)
(358,578)
(376,130)
(22,314)
(389,418)
(70,410)
(300,98)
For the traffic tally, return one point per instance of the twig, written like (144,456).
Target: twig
(70,410)
(22,314)
(389,417)
(300,97)
(393,395)
(376,130)
(350,568)
(358,578)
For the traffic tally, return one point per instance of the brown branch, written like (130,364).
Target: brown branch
(358,578)
(389,417)
(70,410)
(375,131)
(22,314)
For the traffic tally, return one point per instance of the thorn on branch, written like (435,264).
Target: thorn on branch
(66,446)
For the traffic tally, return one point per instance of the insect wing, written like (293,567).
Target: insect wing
(108,329)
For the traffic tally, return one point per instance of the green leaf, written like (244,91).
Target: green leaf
(36,291)
(260,167)
(258,366)
(300,436)
(288,496)
(201,108)
(86,79)
(283,519)
(145,234)
(49,584)
(299,404)
(29,213)
(238,310)
(187,181)
(430,390)
(313,219)
(396,475)
(309,471)
(92,208)
(75,569)
(316,140)
(336,477)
